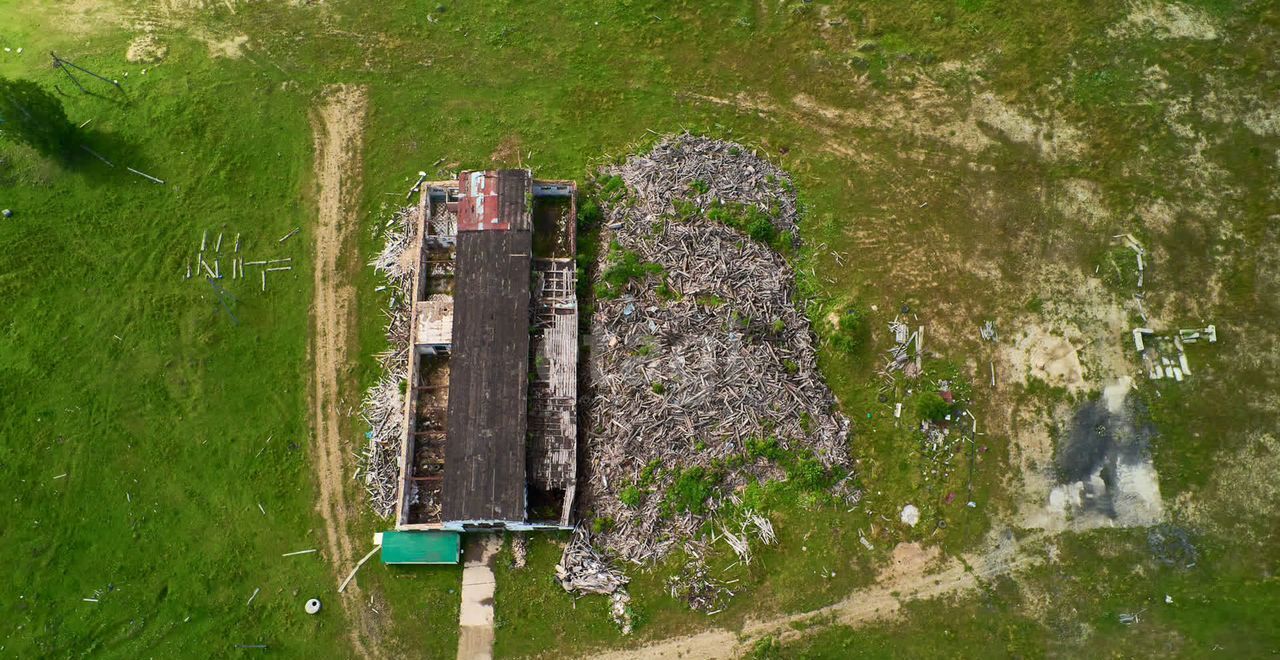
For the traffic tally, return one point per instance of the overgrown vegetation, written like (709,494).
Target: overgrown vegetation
(624,266)
(853,330)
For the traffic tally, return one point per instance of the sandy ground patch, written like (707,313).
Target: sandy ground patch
(146,48)
(1165,20)
(1081,200)
(229,47)
(1053,359)
(338,125)
(906,578)
(1052,139)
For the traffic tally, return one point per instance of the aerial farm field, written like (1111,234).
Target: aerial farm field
(1020,185)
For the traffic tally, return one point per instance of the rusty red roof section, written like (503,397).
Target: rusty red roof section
(493,200)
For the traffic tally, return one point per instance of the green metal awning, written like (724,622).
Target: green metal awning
(426,547)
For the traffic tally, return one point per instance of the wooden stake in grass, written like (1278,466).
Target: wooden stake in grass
(237,242)
(299,552)
(204,238)
(217,247)
(286,236)
(255,595)
(264,281)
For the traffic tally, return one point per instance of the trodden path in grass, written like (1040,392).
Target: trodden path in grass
(914,573)
(337,125)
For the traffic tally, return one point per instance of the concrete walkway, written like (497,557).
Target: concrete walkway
(475,622)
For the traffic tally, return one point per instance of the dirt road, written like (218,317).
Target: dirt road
(337,125)
(914,573)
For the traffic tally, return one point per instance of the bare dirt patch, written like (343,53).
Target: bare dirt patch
(146,49)
(1081,200)
(507,151)
(1053,139)
(230,47)
(337,125)
(1165,20)
(1051,358)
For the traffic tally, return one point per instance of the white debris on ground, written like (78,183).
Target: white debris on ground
(691,364)
(383,405)
(910,515)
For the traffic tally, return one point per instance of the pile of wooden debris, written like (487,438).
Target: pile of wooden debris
(701,357)
(383,405)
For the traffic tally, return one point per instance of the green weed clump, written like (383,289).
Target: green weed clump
(625,266)
(751,221)
(1118,268)
(932,406)
(689,491)
(631,496)
(765,448)
(853,330)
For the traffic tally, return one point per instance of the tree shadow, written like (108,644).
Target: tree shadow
(105,158)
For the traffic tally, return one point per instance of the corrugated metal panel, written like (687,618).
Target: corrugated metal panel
(494,200)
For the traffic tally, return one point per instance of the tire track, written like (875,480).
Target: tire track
(337,125)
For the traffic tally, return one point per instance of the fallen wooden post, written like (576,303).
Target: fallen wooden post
(144,174)
(357,568)
(298,552)
(286,236)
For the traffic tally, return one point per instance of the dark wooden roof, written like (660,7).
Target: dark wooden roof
(488,380)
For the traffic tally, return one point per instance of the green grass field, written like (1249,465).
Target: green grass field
(937,146)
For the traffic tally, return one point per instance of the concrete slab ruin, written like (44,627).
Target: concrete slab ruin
(490,432)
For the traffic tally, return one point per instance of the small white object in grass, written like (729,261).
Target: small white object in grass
(910,515)
(1168,599)
(972,504)
(7,213)
(313,606)
(19,50)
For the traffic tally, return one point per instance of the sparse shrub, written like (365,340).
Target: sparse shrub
(807,472)
(649,473)
(932,406)
(625,266)
(689,491)
(853,330)
(631,496)
(601,525)
(765,448)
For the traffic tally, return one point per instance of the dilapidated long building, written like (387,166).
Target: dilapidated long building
(490,437)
